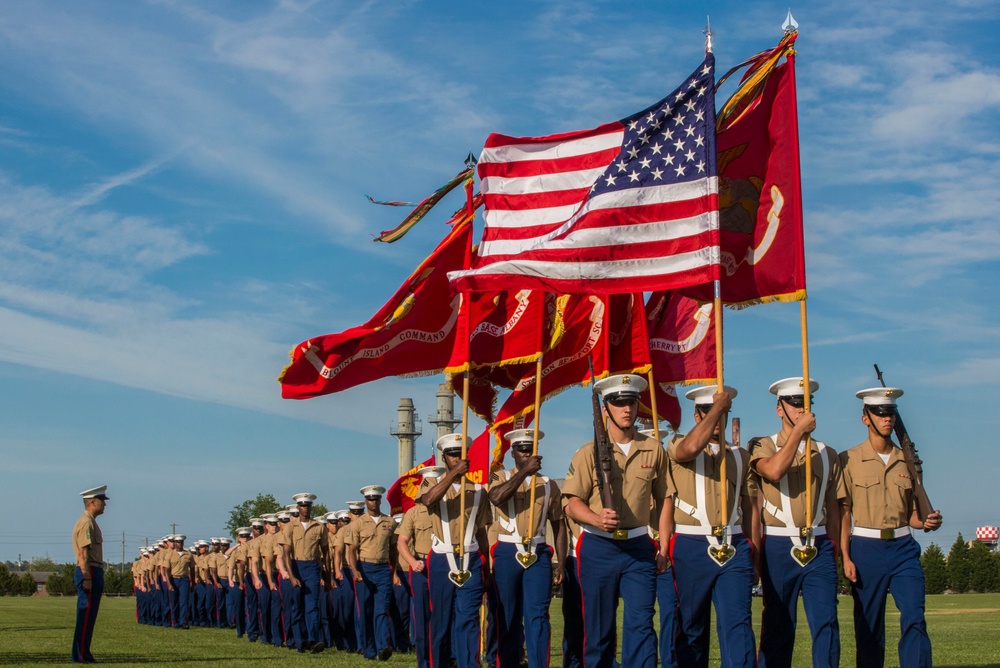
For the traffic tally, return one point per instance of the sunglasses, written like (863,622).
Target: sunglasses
(797,401)
(373,498)
(523,447)
(621,402)
(452,453)
(881,410)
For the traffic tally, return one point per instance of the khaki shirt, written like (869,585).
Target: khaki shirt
(796,478)
(522,499)
(636,480)
(880,496)
(179,563)
(86,533)
(684,478)
(218,562)
(307,542)
(201,566)
(241,554)
(452,502)
(372,537)
(416,526)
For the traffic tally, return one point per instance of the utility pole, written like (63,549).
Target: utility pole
(121,571)
(173,528)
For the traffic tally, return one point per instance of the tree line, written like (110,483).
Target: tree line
(969,567)
(60,582)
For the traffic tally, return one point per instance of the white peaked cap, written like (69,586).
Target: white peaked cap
(523,435)
(876,396)
(792,387)
(304,497)
(373,490)
(625,383)
(703,395)
(95,492)
(452,441)
(431,471)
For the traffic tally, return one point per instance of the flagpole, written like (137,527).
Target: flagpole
(538,422)
(719,377)
(806,404)
(465,433)
(720,385)
(652,405)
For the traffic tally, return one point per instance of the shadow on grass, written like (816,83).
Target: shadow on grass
(15,658)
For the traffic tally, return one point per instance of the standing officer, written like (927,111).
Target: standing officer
(304,547)
(880,554)
(614,553)
(796,557)
(521,557)
(88,576)
(712,558)
(414,544)
(456,566)
(177,567)
(367,547)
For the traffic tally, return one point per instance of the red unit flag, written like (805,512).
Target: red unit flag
(414,333)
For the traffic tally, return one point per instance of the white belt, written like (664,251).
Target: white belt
(535,542)
(692,530)
(618,534)
(792,531)
(884,534)
(443,548)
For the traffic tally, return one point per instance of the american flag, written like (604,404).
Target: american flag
(629,206)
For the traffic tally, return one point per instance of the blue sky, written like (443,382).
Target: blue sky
(182,201)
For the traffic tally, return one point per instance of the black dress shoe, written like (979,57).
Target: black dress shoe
(317,647)
(385,654)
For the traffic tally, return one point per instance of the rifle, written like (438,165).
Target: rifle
(913,462)
(602,447)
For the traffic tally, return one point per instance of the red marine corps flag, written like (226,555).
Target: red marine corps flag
(403,492)
(681,339)
(414,333)
(760,191)
(578,332)
(629,206)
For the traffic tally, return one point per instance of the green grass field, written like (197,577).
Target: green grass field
(39,630)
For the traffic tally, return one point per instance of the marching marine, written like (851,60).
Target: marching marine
(710,548)
(456,567)
(367,547)
(798,556)
(414,545)
(304,546)
(522,557)
(615,555)
(880,554)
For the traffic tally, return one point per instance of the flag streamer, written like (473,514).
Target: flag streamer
(421,210)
